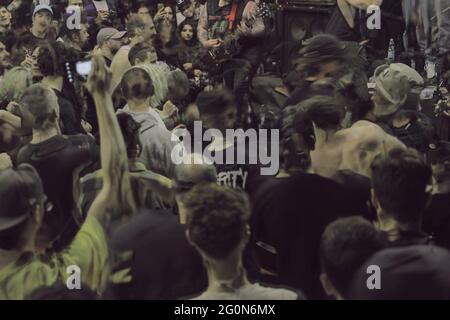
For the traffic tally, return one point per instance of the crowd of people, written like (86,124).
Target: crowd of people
(94,95)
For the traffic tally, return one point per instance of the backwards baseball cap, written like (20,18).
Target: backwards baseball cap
(106,34)
(41,7)
(406,273)
(20,190)
(394,85)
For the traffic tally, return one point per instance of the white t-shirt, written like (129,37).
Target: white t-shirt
(153,112)
(251,292)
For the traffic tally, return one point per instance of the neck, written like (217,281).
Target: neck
(323,136)
(38,34)
(54,82)
(5,27)
(41,136)
(138,105)
(134,41)
(230,271)
(393,227)
(107,54)
(75,45)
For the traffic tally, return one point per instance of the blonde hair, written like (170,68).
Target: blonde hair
(14,83)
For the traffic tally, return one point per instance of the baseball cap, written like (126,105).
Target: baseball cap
(20,190)
(393,85)
(106,34)
(41,7)
(406,273)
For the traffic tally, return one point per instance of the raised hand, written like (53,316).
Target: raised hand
(99,80)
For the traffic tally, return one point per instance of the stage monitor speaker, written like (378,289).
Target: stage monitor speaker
(296,24)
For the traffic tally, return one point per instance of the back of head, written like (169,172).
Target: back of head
(324,112)
(14,83)
(40,105)
(400,182)
(138,51)
(404,273)
(51,58)
(131,134)
(136,84)
(214,102)
(320,49)
(21,191)
(345,245)
(217,218)
(178,85)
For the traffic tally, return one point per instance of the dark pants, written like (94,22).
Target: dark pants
(239,71)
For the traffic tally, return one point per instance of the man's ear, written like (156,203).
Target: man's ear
(326,284)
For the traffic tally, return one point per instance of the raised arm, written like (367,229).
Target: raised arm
(116,194)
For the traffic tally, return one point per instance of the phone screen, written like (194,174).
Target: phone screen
(84,67)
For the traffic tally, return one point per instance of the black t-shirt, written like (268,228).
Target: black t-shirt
(71,123)
(289,217)
(338,26)
(56,161)
(437,219)
(161,262)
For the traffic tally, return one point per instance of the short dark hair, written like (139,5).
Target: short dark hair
(324,111)
(131,133)
(51,58)
(400,182)
(320,49)
(217,218)
(132,85)
(39,102)
(345,245)
(138,51)
(215,101)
